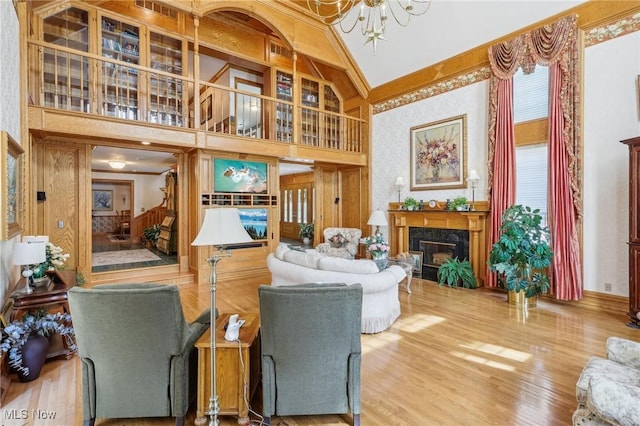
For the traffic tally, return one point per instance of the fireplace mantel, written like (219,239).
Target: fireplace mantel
(474,221)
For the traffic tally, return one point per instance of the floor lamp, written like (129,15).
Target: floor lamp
(220,227)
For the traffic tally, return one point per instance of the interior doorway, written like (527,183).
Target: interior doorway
(297,196)
(128,207)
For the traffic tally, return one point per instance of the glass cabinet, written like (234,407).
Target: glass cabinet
(166,103)
(65,76)
(119,85)
(284,111)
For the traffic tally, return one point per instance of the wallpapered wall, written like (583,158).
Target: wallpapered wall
(9,116)
(610,115)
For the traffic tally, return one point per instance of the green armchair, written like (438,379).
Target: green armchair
(311,354)
(137,351)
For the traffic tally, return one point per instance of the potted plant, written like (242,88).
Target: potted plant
(306,232)
(25,340)
(410,203)
(459,203)
(150,235)
(454,272)
(522,255)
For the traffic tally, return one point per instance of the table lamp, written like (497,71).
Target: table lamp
(473,179)
(399,185)
(220,227)
(377,219)
(29,254)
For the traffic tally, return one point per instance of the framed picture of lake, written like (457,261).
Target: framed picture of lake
(103,199)
(11,208)
(439,154)
(255,222)
(239,176)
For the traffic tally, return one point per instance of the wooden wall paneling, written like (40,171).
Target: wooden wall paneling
(354,213)
(327,199)
(61,174)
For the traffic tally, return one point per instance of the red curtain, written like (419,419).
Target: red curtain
(567,276)
(503,192)
(556,46)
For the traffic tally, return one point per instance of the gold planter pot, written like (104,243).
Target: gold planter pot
(518,298)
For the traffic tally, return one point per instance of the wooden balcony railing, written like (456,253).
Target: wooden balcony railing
(72,80)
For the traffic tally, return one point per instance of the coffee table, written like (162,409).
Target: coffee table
(407,266)
(237,365)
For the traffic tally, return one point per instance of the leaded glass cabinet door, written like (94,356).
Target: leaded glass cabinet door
(65,75)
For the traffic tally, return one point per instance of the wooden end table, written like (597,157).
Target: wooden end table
(231,374)
(53,295)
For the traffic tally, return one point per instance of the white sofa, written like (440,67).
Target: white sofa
(380,303)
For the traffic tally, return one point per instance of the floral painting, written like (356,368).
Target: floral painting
(439,154)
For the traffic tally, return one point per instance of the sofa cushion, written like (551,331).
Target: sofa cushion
(308,260)
(281,250)
(599,367)
(338,241)
(338,264)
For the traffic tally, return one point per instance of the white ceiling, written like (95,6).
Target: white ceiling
(449,27)
(137,160)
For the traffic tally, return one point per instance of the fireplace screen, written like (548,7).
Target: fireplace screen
(436,253)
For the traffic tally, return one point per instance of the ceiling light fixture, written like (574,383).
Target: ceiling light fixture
(117,164)
(372,15)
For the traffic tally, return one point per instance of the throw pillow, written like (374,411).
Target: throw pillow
(338,241)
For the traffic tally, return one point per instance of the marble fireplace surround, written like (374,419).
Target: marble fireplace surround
(473,221)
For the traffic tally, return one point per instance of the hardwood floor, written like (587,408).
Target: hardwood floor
(454,357)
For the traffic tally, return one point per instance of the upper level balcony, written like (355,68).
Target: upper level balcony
(81,93)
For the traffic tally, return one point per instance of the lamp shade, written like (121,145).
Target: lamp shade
(399,181)
(35,239)
(29,253)
(377,218)
(473,175)
(221,227)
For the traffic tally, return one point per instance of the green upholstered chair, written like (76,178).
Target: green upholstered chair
(137,351)
(311,354)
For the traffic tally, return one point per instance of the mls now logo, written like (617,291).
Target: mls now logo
(15,414)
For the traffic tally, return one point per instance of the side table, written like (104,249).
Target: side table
(233,373)
(52,296)
(407,266)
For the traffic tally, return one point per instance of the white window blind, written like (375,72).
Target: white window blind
(531,95)
(531,177)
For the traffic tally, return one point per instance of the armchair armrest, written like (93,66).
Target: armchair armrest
(198,327)
(615,402)
(624,351)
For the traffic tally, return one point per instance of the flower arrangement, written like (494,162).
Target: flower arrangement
(376,246)
(437,153)
(56,257)
(17,332)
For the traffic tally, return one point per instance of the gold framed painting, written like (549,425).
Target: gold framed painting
(439,154)
(11,208)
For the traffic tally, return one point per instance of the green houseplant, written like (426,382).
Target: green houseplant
(306,232)
(410,203)
(455,272)
(459,203)
(522,254)
(25,340)
(151,234)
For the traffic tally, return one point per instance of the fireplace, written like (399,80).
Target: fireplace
(438,245)
(440,234)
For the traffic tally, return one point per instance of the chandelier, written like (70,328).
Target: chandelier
(372,15)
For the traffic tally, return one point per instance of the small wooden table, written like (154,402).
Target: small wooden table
(231,373)
(53,295)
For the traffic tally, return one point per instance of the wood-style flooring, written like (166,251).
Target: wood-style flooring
(454,357)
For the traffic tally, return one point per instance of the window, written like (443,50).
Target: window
(530,115)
